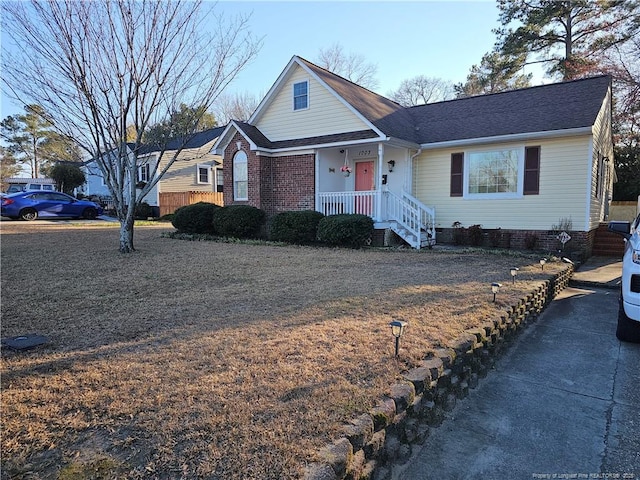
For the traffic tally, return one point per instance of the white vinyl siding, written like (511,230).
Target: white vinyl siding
(325,115)
(601,182)
(182,176)
(563,177)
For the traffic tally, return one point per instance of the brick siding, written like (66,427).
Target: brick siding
(276,184)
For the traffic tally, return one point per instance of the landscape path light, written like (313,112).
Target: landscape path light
(495,286)
(397,329)
(543,261)
(514,272)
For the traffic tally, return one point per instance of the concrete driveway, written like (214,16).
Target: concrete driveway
(563,402)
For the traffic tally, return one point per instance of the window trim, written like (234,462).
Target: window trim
(245,179)
(294,96)
(219,180)
(204,167)
(521,151)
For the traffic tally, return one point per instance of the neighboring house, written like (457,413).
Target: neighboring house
(521,161)
(196,175)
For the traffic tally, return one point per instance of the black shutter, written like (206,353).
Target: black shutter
(457,170)
(531,170)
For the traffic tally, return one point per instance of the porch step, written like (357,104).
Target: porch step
(606,243)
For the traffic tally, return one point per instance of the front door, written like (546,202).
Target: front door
(364,183)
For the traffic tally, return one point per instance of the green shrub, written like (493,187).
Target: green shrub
(295,227)
(143,211)
(195,218)
(474,232)
(345,230)
(239,221)
(458,233)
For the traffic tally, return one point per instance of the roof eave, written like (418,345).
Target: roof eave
(568,132)
(343,143)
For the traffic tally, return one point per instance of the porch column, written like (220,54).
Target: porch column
(379,182)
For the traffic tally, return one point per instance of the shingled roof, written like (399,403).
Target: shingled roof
(544,108)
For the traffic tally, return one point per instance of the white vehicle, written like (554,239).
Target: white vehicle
(31,186)
(629,313)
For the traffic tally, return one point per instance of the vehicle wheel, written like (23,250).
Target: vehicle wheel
(628,330)
(90,214)
(28,214)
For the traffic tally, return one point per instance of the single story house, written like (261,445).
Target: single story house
(196,175)
(520,161)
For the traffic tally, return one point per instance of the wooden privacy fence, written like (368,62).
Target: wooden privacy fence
(171,201)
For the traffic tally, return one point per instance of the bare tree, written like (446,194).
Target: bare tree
(352,66)
(104,68)
(236,106)
(421,89)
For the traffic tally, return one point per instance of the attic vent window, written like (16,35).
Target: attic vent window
(301,95)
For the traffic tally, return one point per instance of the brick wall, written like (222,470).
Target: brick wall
(276,184)
(288,183)
(580,246)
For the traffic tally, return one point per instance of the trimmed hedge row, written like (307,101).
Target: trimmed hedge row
(297,227)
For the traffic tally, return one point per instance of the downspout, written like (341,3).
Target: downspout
(409,180)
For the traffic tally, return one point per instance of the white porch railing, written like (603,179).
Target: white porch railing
(407,216)
(335,203)
(411,219)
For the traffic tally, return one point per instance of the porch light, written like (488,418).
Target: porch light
(391,164)
(543,261)
(494,289)
(514,272)
(397,330)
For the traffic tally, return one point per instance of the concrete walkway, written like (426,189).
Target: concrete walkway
(563,402)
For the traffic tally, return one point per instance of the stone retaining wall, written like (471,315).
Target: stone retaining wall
(376,441)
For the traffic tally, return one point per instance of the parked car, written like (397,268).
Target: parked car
(30,186)
(629,314)
(34,204)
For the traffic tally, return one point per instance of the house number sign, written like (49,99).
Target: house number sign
(364,153)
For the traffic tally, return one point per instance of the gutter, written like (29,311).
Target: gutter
(569,132)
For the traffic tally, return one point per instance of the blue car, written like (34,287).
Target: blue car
(38,204)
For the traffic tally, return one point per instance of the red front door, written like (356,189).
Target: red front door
(364,182)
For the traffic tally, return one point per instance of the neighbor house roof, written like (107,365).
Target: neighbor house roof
(198,140)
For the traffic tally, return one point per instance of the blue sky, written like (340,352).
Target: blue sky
(404,39)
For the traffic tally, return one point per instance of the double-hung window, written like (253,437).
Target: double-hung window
(240,176)
(497,173)
(204,174)
(301,95)
(143,173)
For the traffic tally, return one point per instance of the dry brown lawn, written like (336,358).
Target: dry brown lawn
(213,360)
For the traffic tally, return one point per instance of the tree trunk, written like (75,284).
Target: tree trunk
(126,234)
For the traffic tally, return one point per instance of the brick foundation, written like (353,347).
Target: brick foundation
(580,246)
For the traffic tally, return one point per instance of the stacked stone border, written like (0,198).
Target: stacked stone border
(375,442)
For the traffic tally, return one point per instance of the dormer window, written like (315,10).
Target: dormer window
(301,95)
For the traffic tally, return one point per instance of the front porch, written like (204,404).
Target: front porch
(374,179)
(404,214)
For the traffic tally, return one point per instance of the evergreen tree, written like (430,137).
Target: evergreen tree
(566,35)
